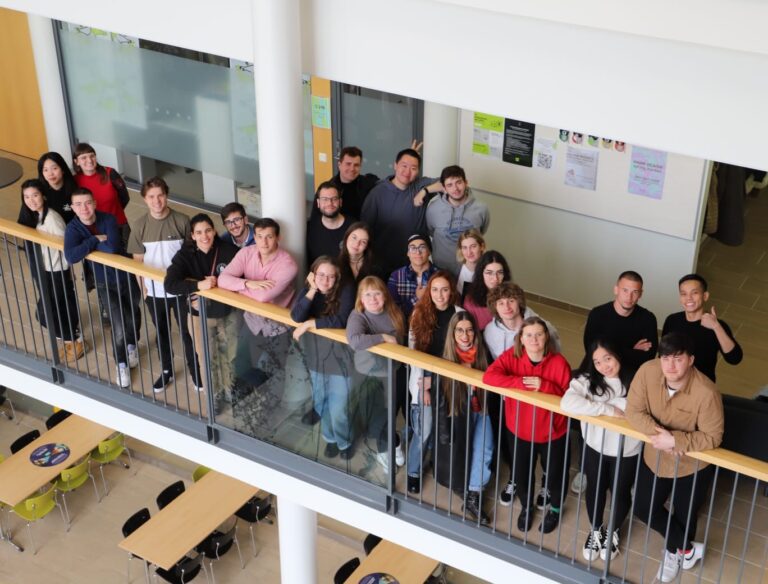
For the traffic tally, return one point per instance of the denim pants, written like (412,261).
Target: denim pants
(421,424)
(482,451)
(330,395)
(122,303)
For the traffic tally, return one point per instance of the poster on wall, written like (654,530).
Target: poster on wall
(544,153)
(321,112)
(488,135)
(581,168)
(646,172)
(518,142)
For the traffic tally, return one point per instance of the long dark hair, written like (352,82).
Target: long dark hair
(424,316)
(366,267)
(597,384)
(201,218)
(333,297)
(26,216)
(478,291)
(84,148)
(455,393)
(69,180)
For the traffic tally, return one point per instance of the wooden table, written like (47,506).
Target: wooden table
(19,477)
(188,519)
(389,558)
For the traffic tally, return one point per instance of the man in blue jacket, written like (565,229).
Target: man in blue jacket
(92,230)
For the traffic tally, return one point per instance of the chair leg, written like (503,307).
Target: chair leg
(128,568)
(31,539)
(239,553)
(103,480)
(253,541)
(130,459)
(65,511)
(95,489)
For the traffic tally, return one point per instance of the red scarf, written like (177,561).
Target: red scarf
(466,357)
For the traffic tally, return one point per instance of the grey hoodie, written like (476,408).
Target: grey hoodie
(446,223)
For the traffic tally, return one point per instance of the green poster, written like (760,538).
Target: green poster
(321,112)
(488,135)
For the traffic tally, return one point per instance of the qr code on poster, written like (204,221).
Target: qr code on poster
(543,160)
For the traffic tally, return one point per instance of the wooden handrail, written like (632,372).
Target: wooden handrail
(721,457)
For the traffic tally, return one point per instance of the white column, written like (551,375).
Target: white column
(441,137)
(49,82)
(297,527)
(279,117)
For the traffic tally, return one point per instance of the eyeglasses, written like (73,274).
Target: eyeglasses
(417,248)
(328,199)
(233,221)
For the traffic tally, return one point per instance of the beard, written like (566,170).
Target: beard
(332,215)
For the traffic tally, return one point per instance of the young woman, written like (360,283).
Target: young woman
(375,320)
(356,256)
(325,302)
(492,269)
(196,266)
(534,365)
(462,419)
(429,329)
(600,389)
(108,187)
(58,184)
(469,249)
(53,278)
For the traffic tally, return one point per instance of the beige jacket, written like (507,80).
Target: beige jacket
(694,416)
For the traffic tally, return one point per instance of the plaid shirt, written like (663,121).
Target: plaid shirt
(402,285)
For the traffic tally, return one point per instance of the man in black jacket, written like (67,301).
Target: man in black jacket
(352,184)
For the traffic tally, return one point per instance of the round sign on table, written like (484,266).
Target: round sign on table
(379,578)
(49,454)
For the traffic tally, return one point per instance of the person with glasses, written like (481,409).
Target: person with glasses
(491,271)
(326,230)
(352,184)
(407,284)
(238,231)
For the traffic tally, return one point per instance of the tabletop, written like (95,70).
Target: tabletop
(19,477)
(389,558)
(188,519)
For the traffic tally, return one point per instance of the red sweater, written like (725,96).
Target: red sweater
(555,374)
(105,195)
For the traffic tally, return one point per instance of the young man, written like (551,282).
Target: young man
(408,284)
(681,411)
(155,239)
(238,231)
(630,326)
(265,273)
(396,208)
(326,230)
(352,184)
(91,230)
(450,214)
(710,334)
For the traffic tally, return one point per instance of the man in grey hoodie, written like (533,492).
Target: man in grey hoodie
(451,214)
(395,209)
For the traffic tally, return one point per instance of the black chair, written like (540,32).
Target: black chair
(169,493)
(343,573)
(8,412)
(57,418)
(255,511)
(183,571)
(132,524)
(370,542)
(24,440)
(217,544)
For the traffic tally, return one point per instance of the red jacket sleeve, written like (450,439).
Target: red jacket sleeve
(503,372)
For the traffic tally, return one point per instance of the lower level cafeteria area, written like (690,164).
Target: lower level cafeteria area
(93,550)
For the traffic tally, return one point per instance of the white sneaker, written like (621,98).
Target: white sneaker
(399,455)
(133,356)
(610,544)
(669,567)
(579,483)
(123,377)
(593,545)
(693,555)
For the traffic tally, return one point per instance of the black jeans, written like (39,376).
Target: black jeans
(121,301)
(599,483)
(60,289)
(160,312)
(649,504)
(525,455)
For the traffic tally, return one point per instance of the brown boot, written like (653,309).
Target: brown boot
(62,351)
(74,349)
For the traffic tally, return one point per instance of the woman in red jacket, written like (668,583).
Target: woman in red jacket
(534,365)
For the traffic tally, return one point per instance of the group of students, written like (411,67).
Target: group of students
(471,314)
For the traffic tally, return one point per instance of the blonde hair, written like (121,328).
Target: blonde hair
(390,307)
(549,347)
(469,234)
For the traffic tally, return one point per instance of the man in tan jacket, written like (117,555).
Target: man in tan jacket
(681,411)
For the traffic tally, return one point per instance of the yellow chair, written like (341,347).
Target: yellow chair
(35,508)
(108,451)
(72,478)
(200,472)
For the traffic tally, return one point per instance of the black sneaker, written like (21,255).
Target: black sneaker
(550,522)
(593,545)
(219,403)
(414,485)
(310,418)
(331,450)
(161,382)
(544,499)
(473,508)
(506,496)
(525,519)
(347,453)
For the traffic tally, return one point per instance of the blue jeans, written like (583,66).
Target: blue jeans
(421,424)
(481,452)
(330,395)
